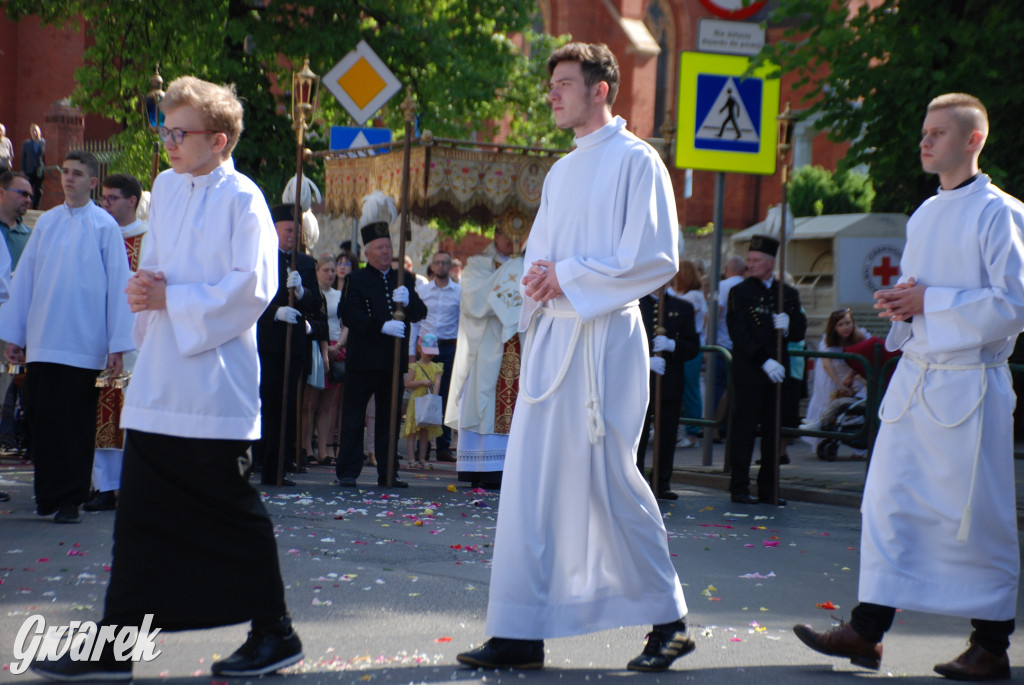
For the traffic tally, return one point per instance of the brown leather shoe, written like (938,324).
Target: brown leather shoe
(842,641)
(976,663)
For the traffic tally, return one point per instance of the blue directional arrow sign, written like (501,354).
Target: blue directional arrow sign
(726,122)
(347,137)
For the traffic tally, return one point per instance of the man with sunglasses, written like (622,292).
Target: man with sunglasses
(15,200)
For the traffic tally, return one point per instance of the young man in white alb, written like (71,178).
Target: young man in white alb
(580,544)
(939,531)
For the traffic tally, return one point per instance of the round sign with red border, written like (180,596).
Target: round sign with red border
(734,9)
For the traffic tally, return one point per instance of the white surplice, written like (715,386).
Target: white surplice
(580,543)
(939,512)
(198,374)
(67,302)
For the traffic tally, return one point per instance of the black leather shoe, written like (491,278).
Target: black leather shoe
(5,496)
(744,499)
(103,501)
(347,483)
(499,652)
(67,513)
(667,494)
(273,483)
(781,502)
(446,455)
(665,644)
(977,663)
(261,654)
(66,669)
(396,483)
(843,641)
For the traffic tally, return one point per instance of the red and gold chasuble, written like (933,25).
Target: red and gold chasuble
(108,409)
(507,387)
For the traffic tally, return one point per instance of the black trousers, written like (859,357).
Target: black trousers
(193,544)
(446,356)
(360,385)
(37,189)
(272,384)
(755,404)
(60,410)
(671,408)
(871,621)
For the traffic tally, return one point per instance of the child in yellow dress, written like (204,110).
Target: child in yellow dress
(423,376)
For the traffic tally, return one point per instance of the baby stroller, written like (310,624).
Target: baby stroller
(845,414)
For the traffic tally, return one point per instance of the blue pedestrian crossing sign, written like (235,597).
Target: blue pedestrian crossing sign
(725,122)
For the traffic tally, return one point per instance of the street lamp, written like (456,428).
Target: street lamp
(154,117)
(305,87)
(785,143)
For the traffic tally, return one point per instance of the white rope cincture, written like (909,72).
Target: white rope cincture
(595,418)
(924,366)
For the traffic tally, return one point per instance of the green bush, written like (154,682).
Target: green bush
(815,190)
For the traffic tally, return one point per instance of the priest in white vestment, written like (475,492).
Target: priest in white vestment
(939,514)
(580,543)
(120,195)
(486,372)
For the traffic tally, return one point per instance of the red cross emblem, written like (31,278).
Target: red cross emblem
(886,271)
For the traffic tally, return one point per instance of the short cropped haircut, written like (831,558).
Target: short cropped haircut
(7,177)
(596,60)
(126,183)
(219,105)
(86,158)
(968,111)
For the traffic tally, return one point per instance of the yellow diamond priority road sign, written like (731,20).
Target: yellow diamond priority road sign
(362,83)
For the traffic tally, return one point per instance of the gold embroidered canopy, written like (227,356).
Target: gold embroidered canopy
(487,186)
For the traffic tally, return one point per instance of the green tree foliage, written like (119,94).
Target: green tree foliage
(814,190)
(465,71)
(871,75)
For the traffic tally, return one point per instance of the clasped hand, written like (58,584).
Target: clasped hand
(901,302)
(541,281)
(147,291)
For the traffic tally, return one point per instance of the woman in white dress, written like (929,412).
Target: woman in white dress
(833,378)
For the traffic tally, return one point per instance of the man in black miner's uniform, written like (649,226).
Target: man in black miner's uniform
(367,307)
(680,343)
(753,321)
(271,332)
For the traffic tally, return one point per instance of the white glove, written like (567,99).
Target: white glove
(295,281)
(401,295)
(287,315)
(781,322)
(664,344)
(776,371)
(395,329)
(658,365)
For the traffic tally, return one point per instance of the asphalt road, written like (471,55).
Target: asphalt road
(388,587)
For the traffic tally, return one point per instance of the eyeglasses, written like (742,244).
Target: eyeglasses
(108,199)
(24,193)
(178,134)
